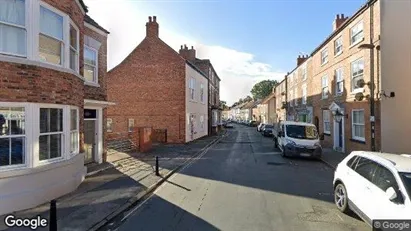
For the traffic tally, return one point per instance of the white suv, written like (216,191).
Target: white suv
(374,185)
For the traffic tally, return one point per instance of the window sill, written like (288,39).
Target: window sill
(26,61)
(356,43)
(324,98)
(91,84)
(338,54)
(357,141)
(323,64)
(338,94)
(358,90)
(327,134)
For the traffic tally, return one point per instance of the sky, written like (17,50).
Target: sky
(246,41)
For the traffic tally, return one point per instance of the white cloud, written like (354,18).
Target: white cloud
(237,70)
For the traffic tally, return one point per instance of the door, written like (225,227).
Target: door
(338,136)
(317,123)
(89,140)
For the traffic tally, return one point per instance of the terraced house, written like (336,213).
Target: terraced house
(349,82)
(52,99)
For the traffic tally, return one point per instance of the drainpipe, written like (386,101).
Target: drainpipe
(372,100)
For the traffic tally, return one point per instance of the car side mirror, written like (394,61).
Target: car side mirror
(391,194)
(322,136)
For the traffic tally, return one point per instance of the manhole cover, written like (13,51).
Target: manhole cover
(275,163)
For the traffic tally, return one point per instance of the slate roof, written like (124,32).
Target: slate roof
(89,20)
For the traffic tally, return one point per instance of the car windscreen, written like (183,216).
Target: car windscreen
(302,132)
(406,179)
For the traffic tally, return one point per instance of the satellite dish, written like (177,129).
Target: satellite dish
(360,83)
(359,96)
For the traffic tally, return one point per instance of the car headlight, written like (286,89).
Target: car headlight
(290,142)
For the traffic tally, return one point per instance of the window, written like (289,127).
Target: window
(324,86)
(13,34)
(304,94)
(326,121)
(338,46)
(352,162)
(304,72)
(296,97)
(202,93)
(202,123)
(358,125)
(130,125)
(12,136)
(192,88)
(51,133)
(51,44)
(90,65)
(384,179)
(366,168)
(74,48)
(357,73)
(356,33)
(339,81)
(74,131)
(109,125)
(324,56)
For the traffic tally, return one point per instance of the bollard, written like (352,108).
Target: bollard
(53,216)
(157,173)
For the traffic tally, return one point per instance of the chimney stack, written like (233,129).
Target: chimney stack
(301,59)
(189,54)
(152,27)
(339,20)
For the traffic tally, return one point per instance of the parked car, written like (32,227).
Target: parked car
(259,127)
(267,130)
(374,185)
(297,139)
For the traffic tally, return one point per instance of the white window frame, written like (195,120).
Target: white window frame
(191,87)
(64,54)
(25,136)
(95,67)
(339,79)
(355,76)
(202,92)
(296,97)
(338,46)
(359,32)
(77,51)
(77,131)
(130,124)
(304,94)
(25,27)
(109,125)
(324,56)
(357,124)
(327,119)
(62,133)
(324,87)
(304,72)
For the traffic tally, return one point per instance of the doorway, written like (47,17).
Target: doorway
(90,135)
(339,135)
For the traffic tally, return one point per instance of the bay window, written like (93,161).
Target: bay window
(74,131)
(51,133)
(12,136)
(74,48)
(13,33)
(51,43)
(90,64)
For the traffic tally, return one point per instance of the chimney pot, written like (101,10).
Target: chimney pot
(342,16)
(149,18)
(155,18)
(192,47)
(338,16)
(181,47)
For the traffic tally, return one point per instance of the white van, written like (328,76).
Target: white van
(297,139)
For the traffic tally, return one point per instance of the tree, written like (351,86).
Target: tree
(223,105)
(263,89)
(248,99)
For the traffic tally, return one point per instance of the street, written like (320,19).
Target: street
(243,183)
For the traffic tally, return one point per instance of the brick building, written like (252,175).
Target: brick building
(52,99)
(280,95)
(327,87)
(154,86)
(214,110)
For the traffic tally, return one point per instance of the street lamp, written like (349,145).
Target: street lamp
(371,47)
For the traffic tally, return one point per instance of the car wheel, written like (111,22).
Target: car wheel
(283,154)
(341,198)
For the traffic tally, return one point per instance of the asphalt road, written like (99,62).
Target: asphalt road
(243,183)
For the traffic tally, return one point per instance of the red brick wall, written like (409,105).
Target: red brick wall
(149,86)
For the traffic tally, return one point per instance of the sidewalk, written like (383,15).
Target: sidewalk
(107,193)
(332,158)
